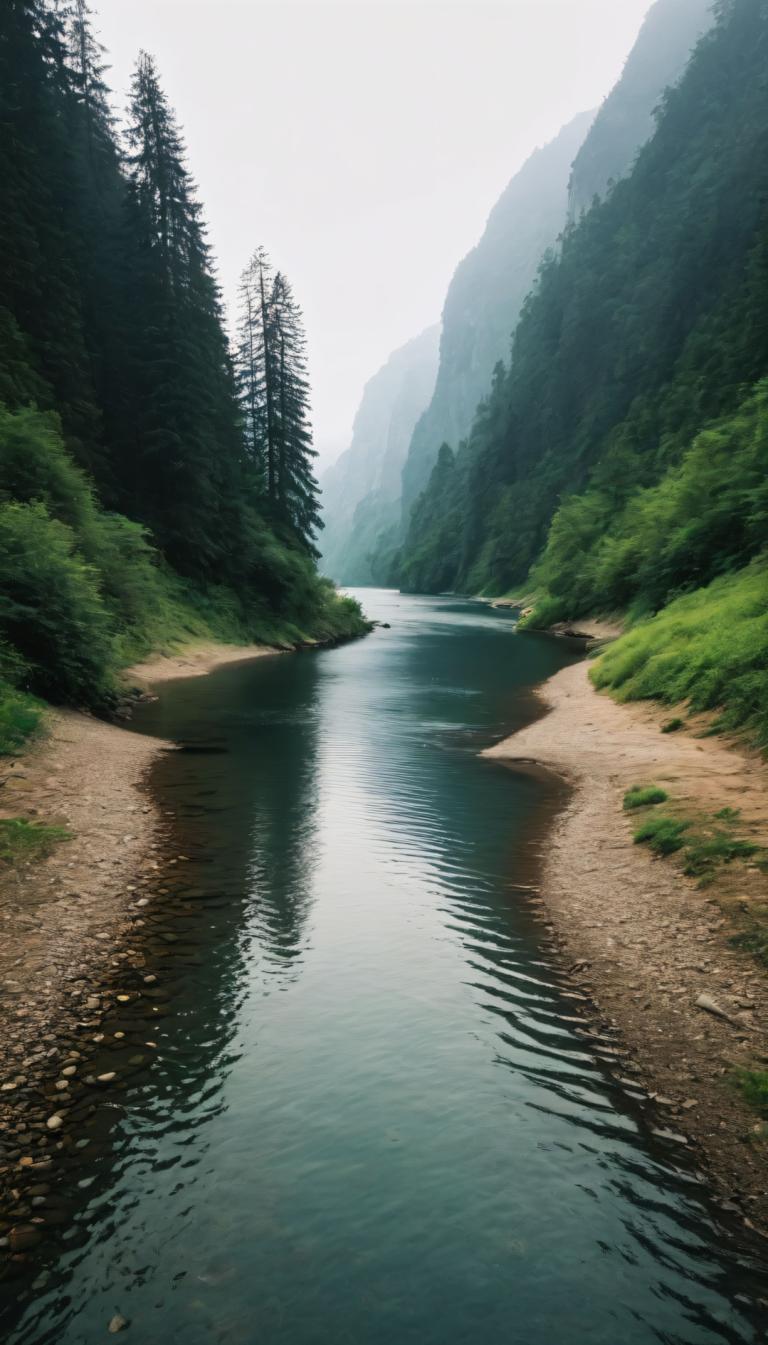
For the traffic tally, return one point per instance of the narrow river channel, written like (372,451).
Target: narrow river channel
(369,1117)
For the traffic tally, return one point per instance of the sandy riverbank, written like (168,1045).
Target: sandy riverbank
(66,918)
(646,941)
(195,660)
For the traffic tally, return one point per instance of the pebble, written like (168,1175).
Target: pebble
(117,1323)
(54,1122)
(106,1078)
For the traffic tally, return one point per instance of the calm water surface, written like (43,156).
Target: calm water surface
(370,1119)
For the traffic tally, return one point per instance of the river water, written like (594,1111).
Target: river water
(368,1116)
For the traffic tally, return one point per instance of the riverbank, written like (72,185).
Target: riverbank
(195,660)
(651,948)
(66,919)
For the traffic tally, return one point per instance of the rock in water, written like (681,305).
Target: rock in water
(117,1323)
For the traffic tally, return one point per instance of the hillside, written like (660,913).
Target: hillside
(134,511)
(485,297)
(361,491)
(625,121)
(623,452)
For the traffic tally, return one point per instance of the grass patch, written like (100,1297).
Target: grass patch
(703,855)
(664,835)
(709,648)
(754,941)
(22,841)
(672,726)
(643,797)
(728,815)
(753,1084)
(20,717)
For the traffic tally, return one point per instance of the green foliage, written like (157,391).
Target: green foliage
(117,393)
(50,606)
(709,648)
(754,940)
(664,835)
(22,841)
(673,726)
(20,717)
(753,1084)
(728,815)
(624,452)
(704,854)
(644,796)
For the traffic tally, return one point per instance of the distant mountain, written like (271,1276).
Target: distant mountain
(486,295)
(361,491)
(626,120)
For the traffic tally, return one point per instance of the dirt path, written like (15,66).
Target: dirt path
(645,940)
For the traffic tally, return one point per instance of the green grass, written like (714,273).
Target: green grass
(640,796)
(20,718)
(709,648)
(673,726)
(728,815)
(755,941)
(664,835)
(703,855)
(22,841)
(753,1084)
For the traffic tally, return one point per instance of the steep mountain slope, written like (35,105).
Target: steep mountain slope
(486,295)
(368,473)
(624,439)
(625,122)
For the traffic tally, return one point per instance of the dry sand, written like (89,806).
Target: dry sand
(644,939)
(193,660)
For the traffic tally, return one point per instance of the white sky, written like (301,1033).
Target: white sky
(363,142)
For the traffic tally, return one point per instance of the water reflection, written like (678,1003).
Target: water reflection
(413,1143)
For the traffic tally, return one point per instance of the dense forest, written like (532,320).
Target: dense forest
(619,461)
(489,287)
(154,484)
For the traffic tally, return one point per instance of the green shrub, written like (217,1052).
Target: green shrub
(754,1086)
(664,835)
(23,841)
(51,610)
(640,797)
(703,855)
(672,726)
(728,815)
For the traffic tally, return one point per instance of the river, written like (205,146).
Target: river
(368,1116)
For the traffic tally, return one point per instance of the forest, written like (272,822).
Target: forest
(156,481)
(618,462)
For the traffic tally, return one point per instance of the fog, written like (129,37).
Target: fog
(364,142)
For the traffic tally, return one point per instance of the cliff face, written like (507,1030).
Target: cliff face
(486,295)
(368,474)
(626,120)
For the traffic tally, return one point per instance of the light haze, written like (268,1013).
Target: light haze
(364,143)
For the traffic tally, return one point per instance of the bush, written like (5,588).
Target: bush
(639,797)
(754,1086)
(664,835)
(51,610)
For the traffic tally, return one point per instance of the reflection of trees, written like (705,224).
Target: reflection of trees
(243,797)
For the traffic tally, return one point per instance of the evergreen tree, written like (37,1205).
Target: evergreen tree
(273,390)
(183,463)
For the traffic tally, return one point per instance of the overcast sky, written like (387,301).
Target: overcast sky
(364,142)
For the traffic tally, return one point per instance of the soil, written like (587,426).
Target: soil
(646,941)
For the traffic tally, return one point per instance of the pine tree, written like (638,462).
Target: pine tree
(182,462)
(273,389)
(42,347)
(296,489)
